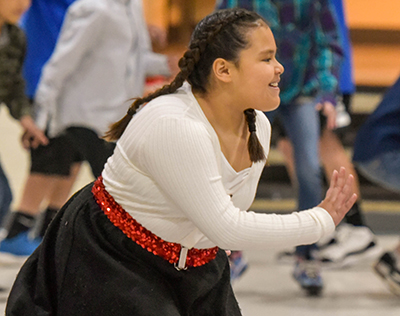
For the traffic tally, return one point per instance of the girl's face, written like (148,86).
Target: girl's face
(257,74)
(12,10)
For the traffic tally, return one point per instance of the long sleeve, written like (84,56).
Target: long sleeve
(82,28)
(180,158)
(16,100)
(12,84)
(155,64)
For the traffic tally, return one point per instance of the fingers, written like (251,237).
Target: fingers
(332,185)
(350,202)
(345,192)
(336,185)
(340,196)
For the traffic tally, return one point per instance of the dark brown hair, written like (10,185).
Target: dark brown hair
(222,34)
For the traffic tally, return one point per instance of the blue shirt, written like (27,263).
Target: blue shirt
(381,131)
(41,24)
(308,42)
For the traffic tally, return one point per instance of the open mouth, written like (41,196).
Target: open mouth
(274,84)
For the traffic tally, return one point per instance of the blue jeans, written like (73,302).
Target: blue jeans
(383,170)
(5,195)
(302,125)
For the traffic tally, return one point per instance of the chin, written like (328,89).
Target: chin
(270,107)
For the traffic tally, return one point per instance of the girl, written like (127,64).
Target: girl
(147,237)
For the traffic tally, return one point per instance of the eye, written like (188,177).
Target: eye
(267,60)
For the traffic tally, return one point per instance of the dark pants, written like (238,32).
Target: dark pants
(76,144)
(5,195)
(87,266)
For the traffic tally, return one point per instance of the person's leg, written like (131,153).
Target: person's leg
(301,122)
(5,195)
(383,170)
(57,197)
(50,171)
(334,156)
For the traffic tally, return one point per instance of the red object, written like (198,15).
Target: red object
(131,228)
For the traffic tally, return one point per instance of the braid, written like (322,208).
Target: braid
(256,150)
(205,46)
(119,127)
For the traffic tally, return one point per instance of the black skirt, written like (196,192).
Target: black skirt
(87,266)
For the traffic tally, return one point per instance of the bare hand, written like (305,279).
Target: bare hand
(329,111)
(33,136)
(340,197)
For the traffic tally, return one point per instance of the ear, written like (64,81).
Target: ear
(222,69)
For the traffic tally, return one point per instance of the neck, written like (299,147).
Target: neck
(222,113)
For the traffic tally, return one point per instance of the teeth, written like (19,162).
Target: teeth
(274,84)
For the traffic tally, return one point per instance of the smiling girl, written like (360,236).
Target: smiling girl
(147,237)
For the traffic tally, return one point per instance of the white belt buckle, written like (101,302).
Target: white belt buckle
(182,259)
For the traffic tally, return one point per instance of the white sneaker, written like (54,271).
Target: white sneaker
(352,244)
(343,118)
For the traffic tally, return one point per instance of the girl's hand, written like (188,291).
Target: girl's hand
(340,197)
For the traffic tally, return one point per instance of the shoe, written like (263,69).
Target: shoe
(350,245)
(343,118)
(289,255)
(308,274)
(18,248)
(238,265)
(388,269)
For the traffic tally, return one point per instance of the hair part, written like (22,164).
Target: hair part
(222,34)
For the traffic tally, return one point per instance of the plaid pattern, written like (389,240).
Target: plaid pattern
(12,85)
(307,37)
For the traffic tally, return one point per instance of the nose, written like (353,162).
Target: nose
(279,69)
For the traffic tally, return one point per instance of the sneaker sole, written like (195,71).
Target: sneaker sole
(313,290)
(368,255)
(352,259)
(382,271)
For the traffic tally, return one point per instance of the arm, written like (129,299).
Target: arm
(16,100)
(178,155)
(81,29)
(155,64)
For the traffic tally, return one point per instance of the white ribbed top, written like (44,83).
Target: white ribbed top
(169,173)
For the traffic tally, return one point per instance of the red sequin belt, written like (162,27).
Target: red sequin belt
(174,253)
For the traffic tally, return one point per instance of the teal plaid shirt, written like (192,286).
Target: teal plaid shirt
(307,37)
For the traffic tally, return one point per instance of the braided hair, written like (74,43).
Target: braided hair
(222,34)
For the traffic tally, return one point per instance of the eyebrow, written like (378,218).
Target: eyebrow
(268,51)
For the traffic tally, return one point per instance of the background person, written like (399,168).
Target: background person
(73,102)
(12,94)
(377,157)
